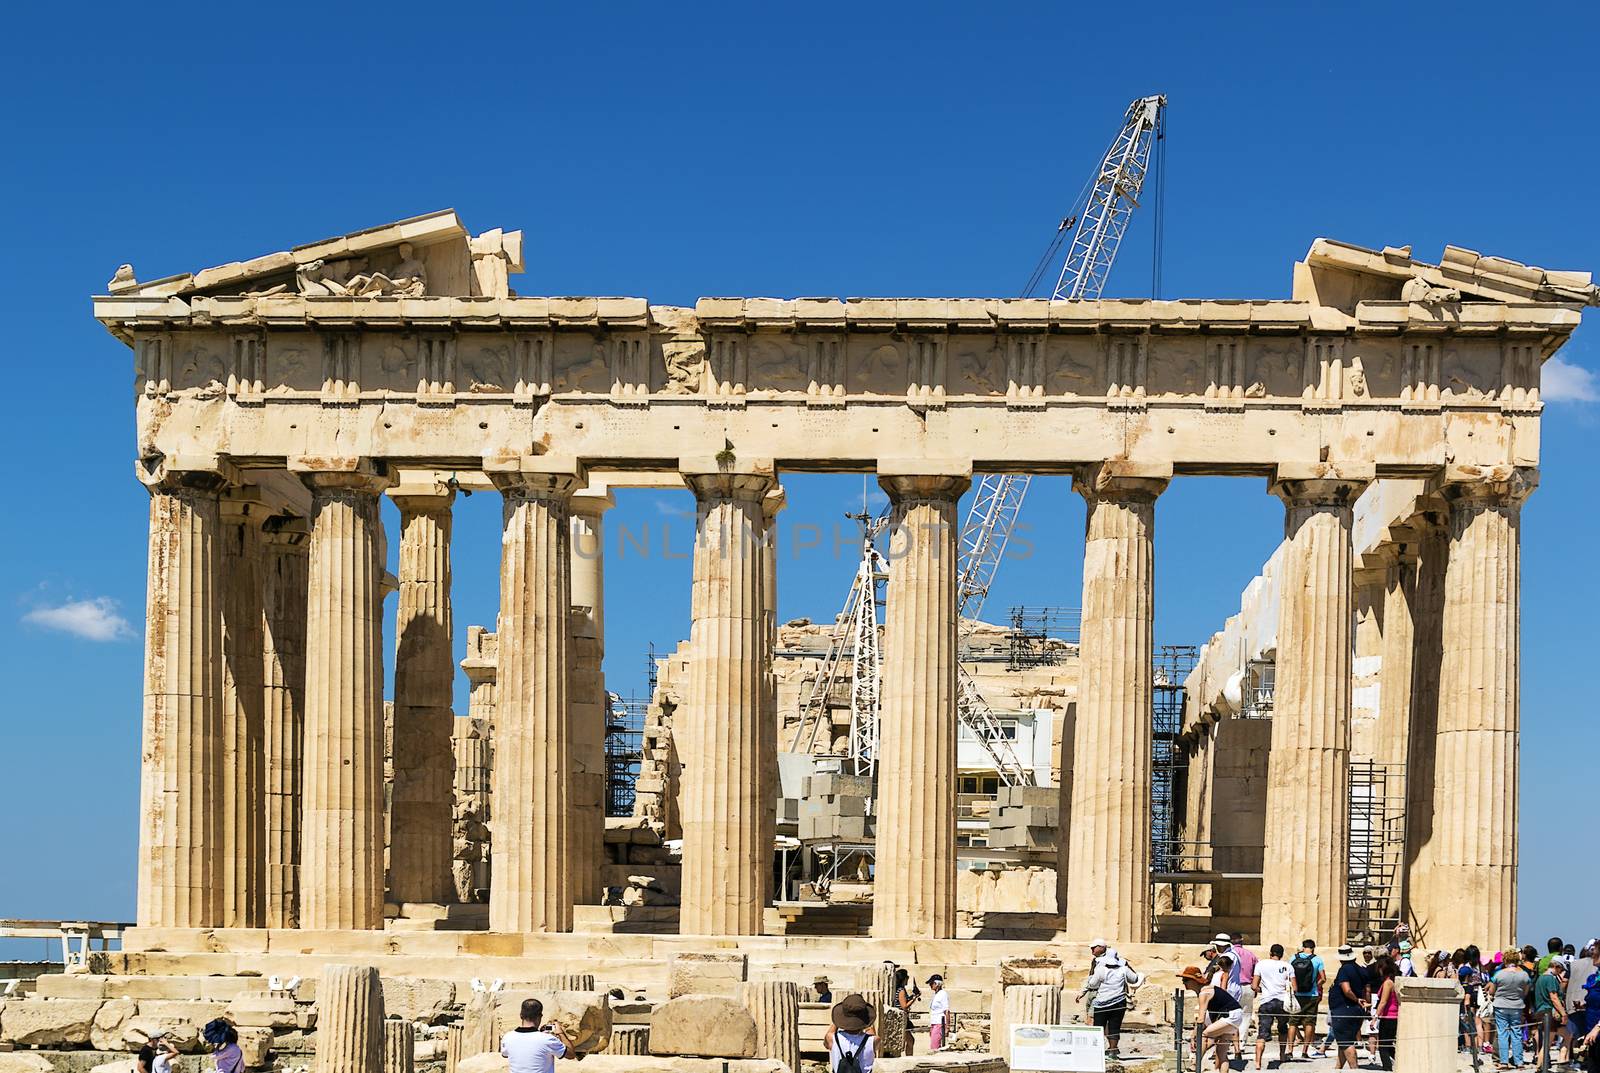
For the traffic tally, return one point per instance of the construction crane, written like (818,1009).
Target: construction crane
(1099,219)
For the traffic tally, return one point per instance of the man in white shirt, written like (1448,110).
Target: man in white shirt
(939,1016)
(532,1047)
(1273,982)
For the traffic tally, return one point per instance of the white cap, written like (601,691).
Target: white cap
(1222,937)
(1098,942)
(1346,954)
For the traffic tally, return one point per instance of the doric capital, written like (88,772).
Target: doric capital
(322,474)
(1479,486)
(1321,484)
(728,477)
(1122,481)
(198,474)
(592,504)
(773,502)
(427,493)
(536,476)
(914,479)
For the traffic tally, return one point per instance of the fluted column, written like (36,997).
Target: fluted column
(349,1019)
(244,828)
(1399,642)
(530,838)
(283,652)
(588,686)
(420,809)
(1433,558)
(1473,888)
(1108,867)
(771,504)
(1304,887)
(915,878)
(342,817)
(718,729)
(181,856)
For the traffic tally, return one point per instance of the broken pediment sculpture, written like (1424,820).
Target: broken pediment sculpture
(1417,289)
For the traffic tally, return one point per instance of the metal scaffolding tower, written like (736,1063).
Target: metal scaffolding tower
(1171,665)
(624,747)
(1040,636)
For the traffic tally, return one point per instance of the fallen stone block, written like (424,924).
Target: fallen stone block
(706,974)
(429,1001)
(263,1011)
(256,1045)
(184,1033)
(52,1022)
(113,1017)
(23,1062)
(584,1015)
(705,1026)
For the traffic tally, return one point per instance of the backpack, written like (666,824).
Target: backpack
(849,1062)
(1305,973)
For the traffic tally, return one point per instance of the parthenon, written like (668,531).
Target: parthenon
(279,398)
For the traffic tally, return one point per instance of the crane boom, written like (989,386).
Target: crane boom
(1100,219)
(1112,197)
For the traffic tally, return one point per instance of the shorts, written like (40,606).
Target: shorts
(1110,1020)
(1270,1013)
(1346,1027)
(1305,1015)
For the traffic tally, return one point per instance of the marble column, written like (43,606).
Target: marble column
(181,854)
(421,806)
(530,839)
(342,815)
(1473,888)
(1396,666)
(244,827)
(1427,659)
(283,652)
(719,727)
(771,504)
(1304,886)
(914,882)
(588,694)
(1108,871)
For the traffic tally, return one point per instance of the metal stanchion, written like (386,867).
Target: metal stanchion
(1177,1027)
(1544,1040)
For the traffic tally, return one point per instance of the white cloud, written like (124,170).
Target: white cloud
(94,619)
(1561,381)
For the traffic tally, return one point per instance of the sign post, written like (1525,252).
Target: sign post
(1058,1048)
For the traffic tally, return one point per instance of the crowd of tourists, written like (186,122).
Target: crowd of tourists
(1518,1006)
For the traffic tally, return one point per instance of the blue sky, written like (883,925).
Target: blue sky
(867,149)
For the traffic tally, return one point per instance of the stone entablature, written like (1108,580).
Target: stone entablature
(380,379)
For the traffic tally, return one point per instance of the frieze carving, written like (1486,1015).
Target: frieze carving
(924,369)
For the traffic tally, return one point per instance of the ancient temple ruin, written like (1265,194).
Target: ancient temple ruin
(279,398)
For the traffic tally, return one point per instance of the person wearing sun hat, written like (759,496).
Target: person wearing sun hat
(1219,1019)
(851,1035)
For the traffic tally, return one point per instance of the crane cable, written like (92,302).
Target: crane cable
(1161,205)
(1079,204)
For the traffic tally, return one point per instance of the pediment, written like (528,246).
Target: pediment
(1340,275)
(424,256)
